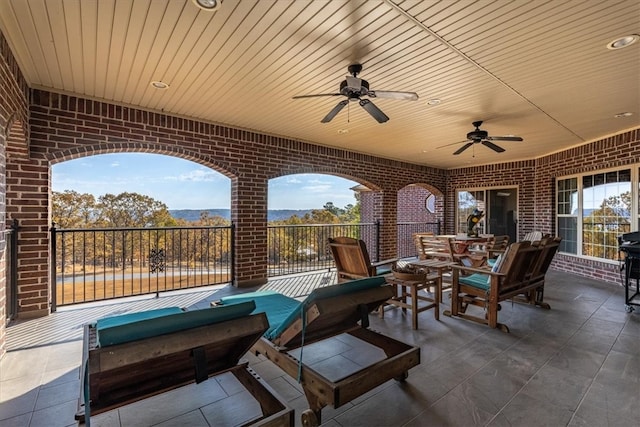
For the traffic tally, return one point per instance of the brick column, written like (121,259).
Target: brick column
(249,215)
(28,202)
(388,205)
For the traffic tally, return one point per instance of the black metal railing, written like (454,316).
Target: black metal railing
(104,263)
(406,246)
(301,248)
(11,270)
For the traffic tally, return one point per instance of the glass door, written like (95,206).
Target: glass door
(502,212)
(500,207)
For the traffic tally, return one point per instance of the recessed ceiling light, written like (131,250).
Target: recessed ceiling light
(159,85)
(207,5)
(343,131)
(434,101)
(623,42)
(621,115)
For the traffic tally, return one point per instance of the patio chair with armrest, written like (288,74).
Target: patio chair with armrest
(548,249)
(490,251)
(352,260)
(328,312)
(130,357)
(487,288)
(421,240)
(440,248)
(533,236)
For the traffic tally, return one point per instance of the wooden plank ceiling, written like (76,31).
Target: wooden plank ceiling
(537,69)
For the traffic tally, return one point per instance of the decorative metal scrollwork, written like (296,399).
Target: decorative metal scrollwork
(157,260)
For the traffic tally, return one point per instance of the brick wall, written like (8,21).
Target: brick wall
(13,120)
(612,152)
(64,128)
(536,190)
(411,204)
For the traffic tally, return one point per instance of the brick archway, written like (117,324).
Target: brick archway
(55,157)
(65,128)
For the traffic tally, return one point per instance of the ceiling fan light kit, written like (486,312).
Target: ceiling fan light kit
(355,89)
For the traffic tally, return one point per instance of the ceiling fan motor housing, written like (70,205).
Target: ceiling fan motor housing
(352,93)
(477,135)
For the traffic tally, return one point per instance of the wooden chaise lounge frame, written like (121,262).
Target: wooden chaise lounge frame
(328,312)
(515,276)
(115,375)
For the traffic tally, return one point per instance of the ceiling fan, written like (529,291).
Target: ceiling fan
(478,136)
(354,89)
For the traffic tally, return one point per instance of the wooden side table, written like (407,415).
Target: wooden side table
(431,266)
(406,287)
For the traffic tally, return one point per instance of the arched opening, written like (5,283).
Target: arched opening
(304,210)
(134,223)
(181,184)
(420,209)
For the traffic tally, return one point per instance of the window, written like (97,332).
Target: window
(568,214)
(593,210)
(430,203)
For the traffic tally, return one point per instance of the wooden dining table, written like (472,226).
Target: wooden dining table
(461,243)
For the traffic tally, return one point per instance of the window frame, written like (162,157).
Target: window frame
(579,216)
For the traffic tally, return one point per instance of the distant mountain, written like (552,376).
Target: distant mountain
(272,215)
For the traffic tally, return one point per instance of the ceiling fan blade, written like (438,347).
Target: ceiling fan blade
(504,138)
(406,96)
(453,143)
(493,146)
(464,147)
(375,112)
(354,82)
(315,96)
(335,111)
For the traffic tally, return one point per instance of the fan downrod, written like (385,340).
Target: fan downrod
(477,135)
(354,70)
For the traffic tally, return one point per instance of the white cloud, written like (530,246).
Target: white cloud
(292,180)
(319,181)
(196,175)
(115,164)
(321,188)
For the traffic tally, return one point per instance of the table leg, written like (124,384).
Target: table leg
(414,305)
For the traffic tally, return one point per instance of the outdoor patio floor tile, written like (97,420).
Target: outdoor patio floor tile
(577,364)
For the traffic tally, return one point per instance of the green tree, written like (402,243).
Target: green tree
(133,210)
(603,225)
(330,207)
(207,220)
(72,209)
(351,213)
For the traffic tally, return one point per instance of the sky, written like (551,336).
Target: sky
(182,184)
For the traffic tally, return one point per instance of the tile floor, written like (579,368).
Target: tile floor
(577,364)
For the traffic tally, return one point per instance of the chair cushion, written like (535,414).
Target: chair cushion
(381,271)
(495,267)
(136,326)
(477,280)
(282,311)
(277,307)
